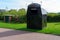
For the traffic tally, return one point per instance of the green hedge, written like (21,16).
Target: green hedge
(53,19)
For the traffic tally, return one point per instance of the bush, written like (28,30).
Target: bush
(22,19)
(19,19)
(55,18)
(1,18)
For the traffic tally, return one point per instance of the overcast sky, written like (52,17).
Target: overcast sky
(49,5)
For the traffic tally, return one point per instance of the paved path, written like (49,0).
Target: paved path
(8,34)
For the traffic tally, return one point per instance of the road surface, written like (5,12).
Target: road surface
(9,34)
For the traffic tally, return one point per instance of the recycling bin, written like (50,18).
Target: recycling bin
(35,17)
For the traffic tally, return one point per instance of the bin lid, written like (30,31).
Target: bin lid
(34,5)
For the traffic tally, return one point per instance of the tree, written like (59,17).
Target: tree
(2,11)
(12,12)
(21,12)
(52,14)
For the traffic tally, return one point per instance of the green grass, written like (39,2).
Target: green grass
(12,25)
(52,28)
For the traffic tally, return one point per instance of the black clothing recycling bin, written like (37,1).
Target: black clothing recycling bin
(34,16)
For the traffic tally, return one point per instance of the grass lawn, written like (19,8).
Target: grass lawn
(52,28)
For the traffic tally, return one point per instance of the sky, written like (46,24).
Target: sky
(48,5)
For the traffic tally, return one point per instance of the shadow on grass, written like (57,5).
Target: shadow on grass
(26,29)
(38,31)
